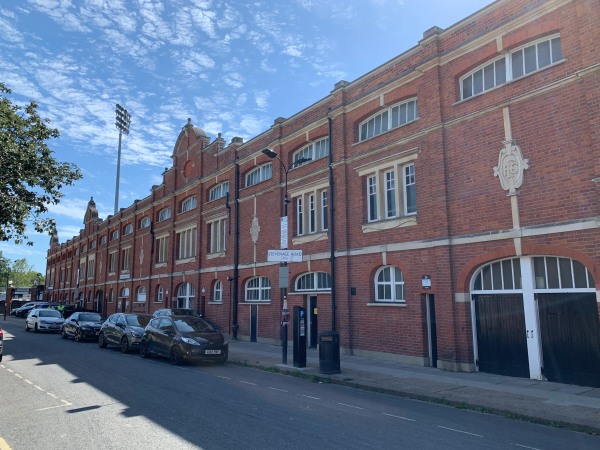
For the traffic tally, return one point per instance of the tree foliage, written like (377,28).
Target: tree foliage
(30,177)
(20,272)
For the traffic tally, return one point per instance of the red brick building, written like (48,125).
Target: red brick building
(449,210)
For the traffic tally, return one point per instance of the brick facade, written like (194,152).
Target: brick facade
(464,218)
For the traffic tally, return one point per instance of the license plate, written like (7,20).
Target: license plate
(212,352)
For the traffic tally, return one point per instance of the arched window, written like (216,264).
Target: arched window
(158,298)
(124,293)
(144,222)
(164,214)
(141,294)
(128,229)
(313,151)
(313,281)
(185,296)
(188,204)
(218,292)
(388,119)
(258,289)
(219,191)
(111,296)
(259,174)
(389,285)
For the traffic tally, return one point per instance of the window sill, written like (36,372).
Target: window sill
(392,304)
(257,302)
(159,265)
(215,255)
(306,238)
(185,260)
(405,221)
(215,303)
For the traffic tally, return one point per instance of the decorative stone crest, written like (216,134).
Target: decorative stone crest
(511,166)
(254,230)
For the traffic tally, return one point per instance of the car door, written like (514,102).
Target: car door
(109,328)
(120,328)
(71,324)
(164,335)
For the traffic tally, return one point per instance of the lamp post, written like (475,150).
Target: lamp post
(122,122)
(284,240)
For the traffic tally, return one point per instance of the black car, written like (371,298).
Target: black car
(175,312)
(123,329)
(82,325)
(23,310)
(184,338)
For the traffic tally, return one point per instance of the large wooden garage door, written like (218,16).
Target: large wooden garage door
(501,337)
(570,338)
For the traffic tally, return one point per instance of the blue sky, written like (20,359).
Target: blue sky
(231,66)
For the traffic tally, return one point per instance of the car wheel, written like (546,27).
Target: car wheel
(144,353)
(124,344)
(77,336)
(35,328)
(26,326)
(176,356)
(101,341)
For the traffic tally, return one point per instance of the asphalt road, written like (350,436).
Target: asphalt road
(57,394)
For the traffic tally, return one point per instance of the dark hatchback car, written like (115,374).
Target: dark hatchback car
(82,325)
(184,339)
(23,310)
(123,329)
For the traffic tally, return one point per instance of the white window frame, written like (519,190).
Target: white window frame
(159,294)
(393,285)
(128,229)
(219,191)
(115,235)
(141,295)
(186,243)
(91,272)
(313,281)
(218,292)
(162,249)
(259,174)
(188,204)
(103,240)
(312,152)
(385,199)
(144,222)
(503,69)
(112,263)
(185,295)
(125,259)
(93,245)
(257,289)
(217,235)
(164,214)
(312,209)
(395,116)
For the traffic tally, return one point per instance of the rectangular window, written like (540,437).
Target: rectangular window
(312,220)
(161,249)
(513,65)
(390,193)
(300,216)
(324,211)
(112,262)
(91,268)
(125,259)
(372,198)
(186,244)
(217,232)
(81,271)
(410,194)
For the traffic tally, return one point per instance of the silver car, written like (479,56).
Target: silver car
(44,319)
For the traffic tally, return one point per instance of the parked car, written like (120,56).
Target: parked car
(23,310)
(123,329)
(44,319)
(1,343)
(175,312)
(184,338)
(82,325)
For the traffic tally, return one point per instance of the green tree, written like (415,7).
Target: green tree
(23,274)
(30,178)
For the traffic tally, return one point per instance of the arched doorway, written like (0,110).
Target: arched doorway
(537,317)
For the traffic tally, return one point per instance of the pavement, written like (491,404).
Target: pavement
(561,405)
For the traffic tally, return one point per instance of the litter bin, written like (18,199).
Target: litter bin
(329,352)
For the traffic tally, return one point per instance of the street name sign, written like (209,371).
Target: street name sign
(284,255)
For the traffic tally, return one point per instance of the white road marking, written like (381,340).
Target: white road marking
(277,389)
(19,376)
(398,417)
(350,406)
(247,382)
(459,431)
(525,446)
(308,396)
(28,382)
(37,387)
(225,378)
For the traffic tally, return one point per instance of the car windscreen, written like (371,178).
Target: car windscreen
(192,324)
(137,321)
(50,313)
(90,317)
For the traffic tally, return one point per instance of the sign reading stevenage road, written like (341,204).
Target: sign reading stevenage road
(284,255)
